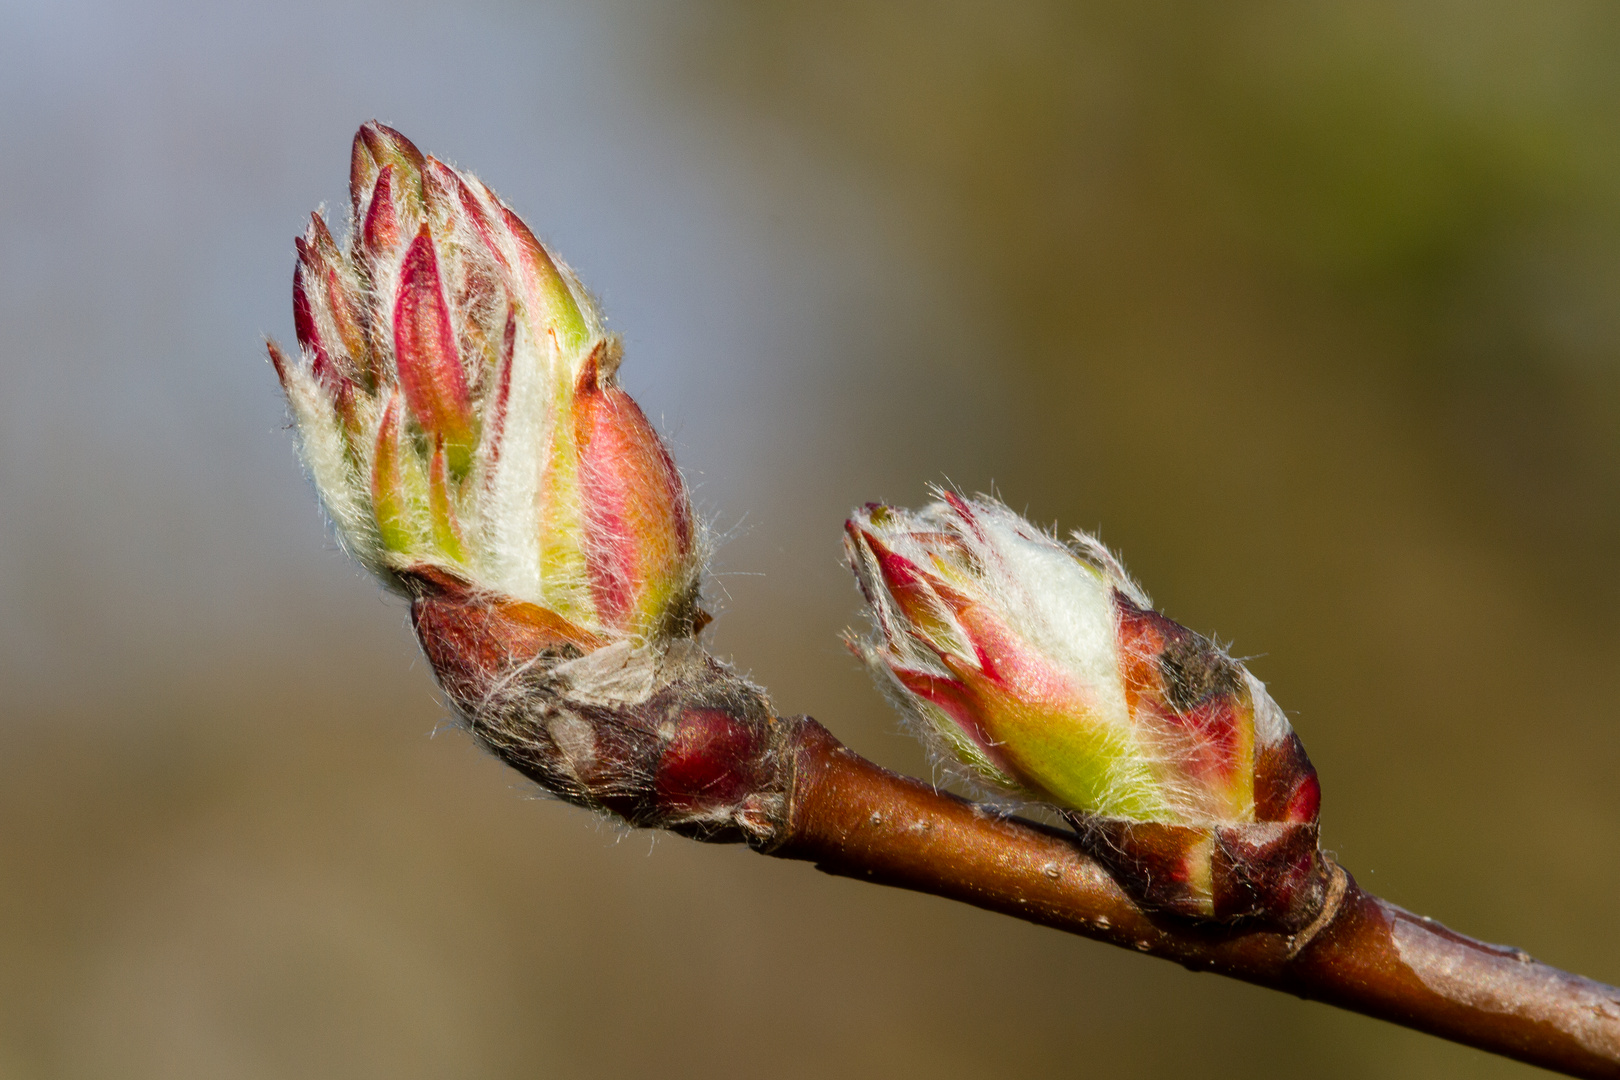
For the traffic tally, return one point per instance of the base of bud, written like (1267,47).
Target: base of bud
(661,735)
(1267,873)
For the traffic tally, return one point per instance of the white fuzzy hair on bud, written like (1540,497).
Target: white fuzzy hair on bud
(1056,599)
(1040,665)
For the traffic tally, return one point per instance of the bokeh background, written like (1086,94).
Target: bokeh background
(1313,310)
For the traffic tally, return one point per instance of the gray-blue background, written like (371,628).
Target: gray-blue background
(1314,311)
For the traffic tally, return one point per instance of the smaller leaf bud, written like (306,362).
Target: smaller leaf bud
(1042,668)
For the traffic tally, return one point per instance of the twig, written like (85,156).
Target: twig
(855,819)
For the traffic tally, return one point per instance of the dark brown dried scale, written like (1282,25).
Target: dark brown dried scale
(1195,670)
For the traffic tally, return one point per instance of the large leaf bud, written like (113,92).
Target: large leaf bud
(458,408)
(457,403)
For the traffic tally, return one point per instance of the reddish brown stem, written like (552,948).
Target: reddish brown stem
(854,819)
(675,740)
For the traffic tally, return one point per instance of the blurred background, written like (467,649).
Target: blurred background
(1313,310)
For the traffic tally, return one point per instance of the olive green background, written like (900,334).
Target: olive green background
(1313,310)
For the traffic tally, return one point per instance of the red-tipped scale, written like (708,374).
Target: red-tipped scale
(429,365)
(638,526)
(553,308)
(378,148)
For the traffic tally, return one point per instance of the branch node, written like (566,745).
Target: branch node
(1337,887)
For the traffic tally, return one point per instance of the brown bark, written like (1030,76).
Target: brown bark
(854,819)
